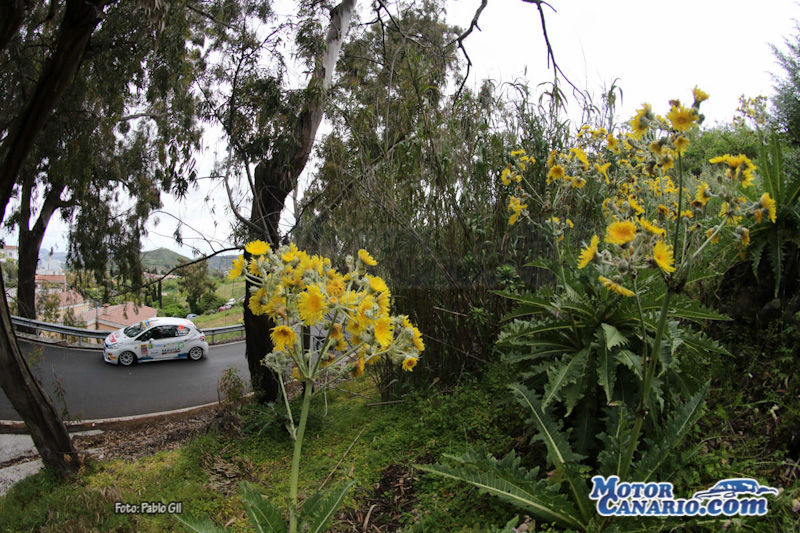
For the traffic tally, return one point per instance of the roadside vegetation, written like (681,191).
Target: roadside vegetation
(512,304)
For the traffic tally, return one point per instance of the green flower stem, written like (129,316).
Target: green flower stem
(298,446)
(644,326)
(679,223)
(292,427)
(649,368)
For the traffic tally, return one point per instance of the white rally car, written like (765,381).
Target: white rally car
(155,339)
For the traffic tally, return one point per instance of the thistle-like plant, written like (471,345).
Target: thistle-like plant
(352,311)
(625,337)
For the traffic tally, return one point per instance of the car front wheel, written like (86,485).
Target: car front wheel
(127,358)
(196,353)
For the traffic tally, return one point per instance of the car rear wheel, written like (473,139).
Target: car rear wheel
(127,358)
(196,353)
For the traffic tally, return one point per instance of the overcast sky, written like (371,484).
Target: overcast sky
(656,51)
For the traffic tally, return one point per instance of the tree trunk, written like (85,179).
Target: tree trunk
(29,244)
(81,17)
(275,178)
(26,395)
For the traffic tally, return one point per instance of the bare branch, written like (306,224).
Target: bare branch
(175,269)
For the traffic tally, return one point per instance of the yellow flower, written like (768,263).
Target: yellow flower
(515,205)
(709,233)
(258,302)
(556,172)
(681,144)
(283,336)
(551,158)
(638,209)
(686,213)
(581,155)
(699,96)
(335,286)
(366,258)
(311,305)
(613,144)
(663,256)
(505,176)
(377,284)
(291,254)
(615,287)
(517,153)
(383,300)
(682,119)
(409,363)
(292,277)
(641,121)
(602,170)
(252,267)
(236,268)
(257,247)
(769,204)
(358,368)
(702,195)
(588,253)
(384,331)
(296,374)
(620,232)
(276,307)
(744,236)
(650,227)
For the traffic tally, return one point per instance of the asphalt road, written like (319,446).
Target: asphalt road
(95,389)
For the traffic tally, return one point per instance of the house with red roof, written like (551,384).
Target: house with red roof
(113,317)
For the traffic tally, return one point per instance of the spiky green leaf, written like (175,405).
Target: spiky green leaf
(198,525)
(660,448)
(264,517)
(506,480)
(318,509)
(563,372)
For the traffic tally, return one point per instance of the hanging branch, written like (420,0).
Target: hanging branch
(551,58)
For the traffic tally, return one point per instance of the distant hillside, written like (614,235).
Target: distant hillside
(221,263)
(160,260)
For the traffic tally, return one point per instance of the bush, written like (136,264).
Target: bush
(174,310)
(208,302)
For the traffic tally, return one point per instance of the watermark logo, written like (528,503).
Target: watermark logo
(729,497)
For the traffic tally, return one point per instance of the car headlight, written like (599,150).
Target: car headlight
(112,346)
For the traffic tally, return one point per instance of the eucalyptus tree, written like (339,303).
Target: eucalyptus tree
(270,121)
(122,132)
(55,90)
(411,171)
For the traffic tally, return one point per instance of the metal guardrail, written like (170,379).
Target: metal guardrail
(99,334)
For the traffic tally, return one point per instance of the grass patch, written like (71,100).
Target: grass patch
(386,440)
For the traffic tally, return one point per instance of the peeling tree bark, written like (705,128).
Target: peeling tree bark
(275,178)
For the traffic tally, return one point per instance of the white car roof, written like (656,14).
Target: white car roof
(167,321)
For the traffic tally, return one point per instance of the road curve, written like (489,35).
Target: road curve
(95,389)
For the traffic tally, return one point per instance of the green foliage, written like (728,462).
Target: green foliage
(786,101)
(412,177)
(209,301)
(194,285)
(565,499)
(174,310)
(581,347)
(778,241)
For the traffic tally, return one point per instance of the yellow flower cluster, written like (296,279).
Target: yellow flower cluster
(296,289)
(647,198)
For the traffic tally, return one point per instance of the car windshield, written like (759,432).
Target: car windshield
(133,330)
